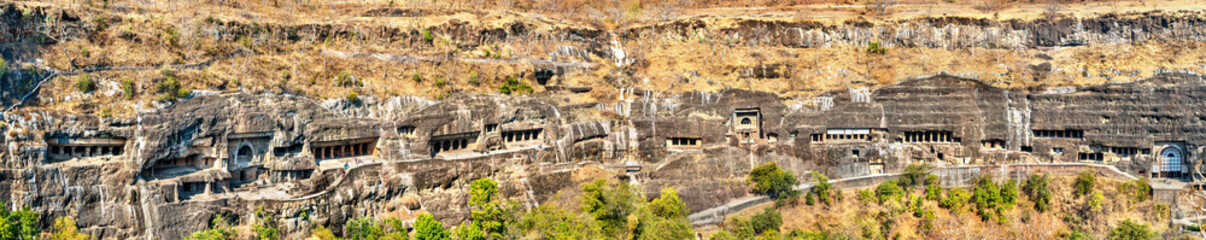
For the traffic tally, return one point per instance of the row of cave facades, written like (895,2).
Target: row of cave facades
(203,146)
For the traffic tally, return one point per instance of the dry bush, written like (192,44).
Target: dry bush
(990,5)
(1051,11)
(880,7)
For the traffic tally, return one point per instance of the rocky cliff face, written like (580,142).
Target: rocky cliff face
(163,173)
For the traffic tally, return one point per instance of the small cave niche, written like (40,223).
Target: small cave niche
(684,142)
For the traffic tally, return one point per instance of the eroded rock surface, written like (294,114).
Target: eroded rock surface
(163,173)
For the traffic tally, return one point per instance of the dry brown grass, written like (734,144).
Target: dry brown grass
(138,36)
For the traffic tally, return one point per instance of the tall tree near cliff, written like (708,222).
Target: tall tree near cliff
(427,228)
(769,179)
(668,205)
(489,218)
(65,229)
(610,206)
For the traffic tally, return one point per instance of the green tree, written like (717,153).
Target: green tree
(8,227)
(219,230)
(668,205)
(469,231)
(646,225)
(363,228)
(1037,189)
(1084,183)
(395,230)
(427,228)
(914,175)
(488,215)
(888,190)
(821,188)
(768,179)
(723,235)
(769,220)
(663,218)
(1130,230)
(265,228)
(610,206)
(3,67)
(1009,193)
(65,229)
(548,221)
(26,223)
(987,196)
(322,233)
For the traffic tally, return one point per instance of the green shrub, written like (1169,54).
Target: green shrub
(514,85)
(933,188)
(609,206)
(1009,193)
(1077,234)
(127,88)
(439,82)
(345,79)
(65,229)
(1094,203)
(955,199)
(1130,230)
(865,196)
(286,75)
(874,48)
(3,67)
(353,97)
(723,235)
(914,175)
(1038,191)
(768,179)
(416,78)
(889,190)
(1138,190)
(473,78)
(768,220)
(170,87)
(84,83)
(821,188)
(183,93)
(428,36)
(1084,183)
(173,36)
(426,227)
(987,197)
(219,229)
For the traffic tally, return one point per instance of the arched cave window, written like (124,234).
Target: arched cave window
(746,121)
(244,154)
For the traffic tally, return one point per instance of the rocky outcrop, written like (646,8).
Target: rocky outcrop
(164,173)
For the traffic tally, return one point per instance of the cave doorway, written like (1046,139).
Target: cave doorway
(1171,162)
(244,155)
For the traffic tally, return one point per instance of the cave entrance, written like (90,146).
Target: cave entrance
(244,155)
(1171,162)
